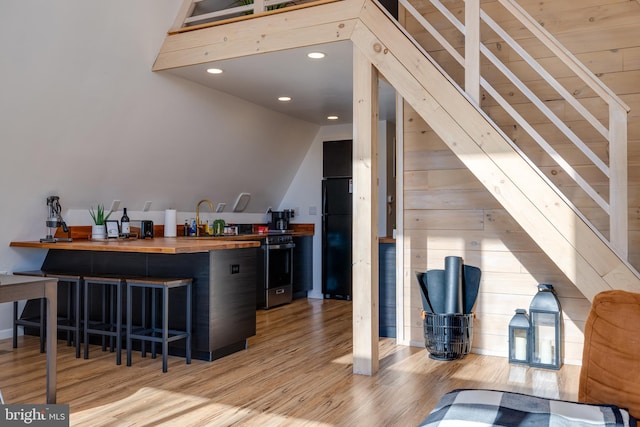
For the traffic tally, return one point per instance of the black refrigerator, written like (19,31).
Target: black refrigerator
(337,204)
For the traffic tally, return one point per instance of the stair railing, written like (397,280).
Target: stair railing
(615,134)
(188,19)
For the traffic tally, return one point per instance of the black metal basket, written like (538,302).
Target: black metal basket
(448,336)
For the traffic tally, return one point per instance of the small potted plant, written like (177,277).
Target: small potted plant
(98,230)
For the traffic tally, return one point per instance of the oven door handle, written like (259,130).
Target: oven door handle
(282,246)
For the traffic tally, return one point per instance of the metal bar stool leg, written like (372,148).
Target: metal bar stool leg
(69,303)
(77,320)
(111,315)
(143,322)
(153,321)
(86,319)
(15,324)
(105,304)
(118,336)
(129,310)
(188,325)
(165,328)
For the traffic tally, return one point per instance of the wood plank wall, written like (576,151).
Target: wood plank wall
(448,212)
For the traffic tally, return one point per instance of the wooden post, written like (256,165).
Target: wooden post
(402,337)
(258,6)
(618,203)
(365,215)
(185,11)
(472,49)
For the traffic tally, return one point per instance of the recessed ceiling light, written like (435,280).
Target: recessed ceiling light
(284,98)
(315,55)
(332,117)
(214,71)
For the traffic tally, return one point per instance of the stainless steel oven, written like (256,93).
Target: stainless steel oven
(275,271)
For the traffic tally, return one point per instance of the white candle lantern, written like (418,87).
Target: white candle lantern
(545,349)
(519,337)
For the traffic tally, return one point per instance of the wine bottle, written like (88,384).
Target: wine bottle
(125,228)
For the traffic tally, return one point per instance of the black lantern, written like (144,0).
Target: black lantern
(519,337)
(546,329)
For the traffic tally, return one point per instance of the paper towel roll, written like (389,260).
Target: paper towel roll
(170,222)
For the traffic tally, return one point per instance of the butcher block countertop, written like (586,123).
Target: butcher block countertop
(162,245)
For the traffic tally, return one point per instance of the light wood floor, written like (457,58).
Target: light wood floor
(297,371)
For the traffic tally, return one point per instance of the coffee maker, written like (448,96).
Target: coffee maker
(280,219)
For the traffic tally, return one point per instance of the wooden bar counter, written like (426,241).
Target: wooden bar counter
(223,272)
(158,245)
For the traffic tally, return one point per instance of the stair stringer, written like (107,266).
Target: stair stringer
(578,251)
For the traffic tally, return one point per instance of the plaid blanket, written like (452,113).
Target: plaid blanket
(480,408)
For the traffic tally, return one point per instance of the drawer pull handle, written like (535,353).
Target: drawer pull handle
(279,291)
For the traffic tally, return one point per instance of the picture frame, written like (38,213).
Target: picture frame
(113,229)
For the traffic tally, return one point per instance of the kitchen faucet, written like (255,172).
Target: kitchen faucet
(210,203)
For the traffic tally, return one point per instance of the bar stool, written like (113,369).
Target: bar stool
(154,334)
(72,323)
(110,323)
(34,321)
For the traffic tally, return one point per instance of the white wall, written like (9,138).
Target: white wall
(83,117)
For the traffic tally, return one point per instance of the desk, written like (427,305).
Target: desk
(14,288)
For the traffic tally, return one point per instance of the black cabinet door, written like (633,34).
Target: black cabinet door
(302,266)
(336,256)
(337,196)
(232,298)
(337,158)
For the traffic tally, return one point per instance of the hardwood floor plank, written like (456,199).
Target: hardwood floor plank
(297,371)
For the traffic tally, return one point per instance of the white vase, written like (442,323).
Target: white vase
(98,232)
